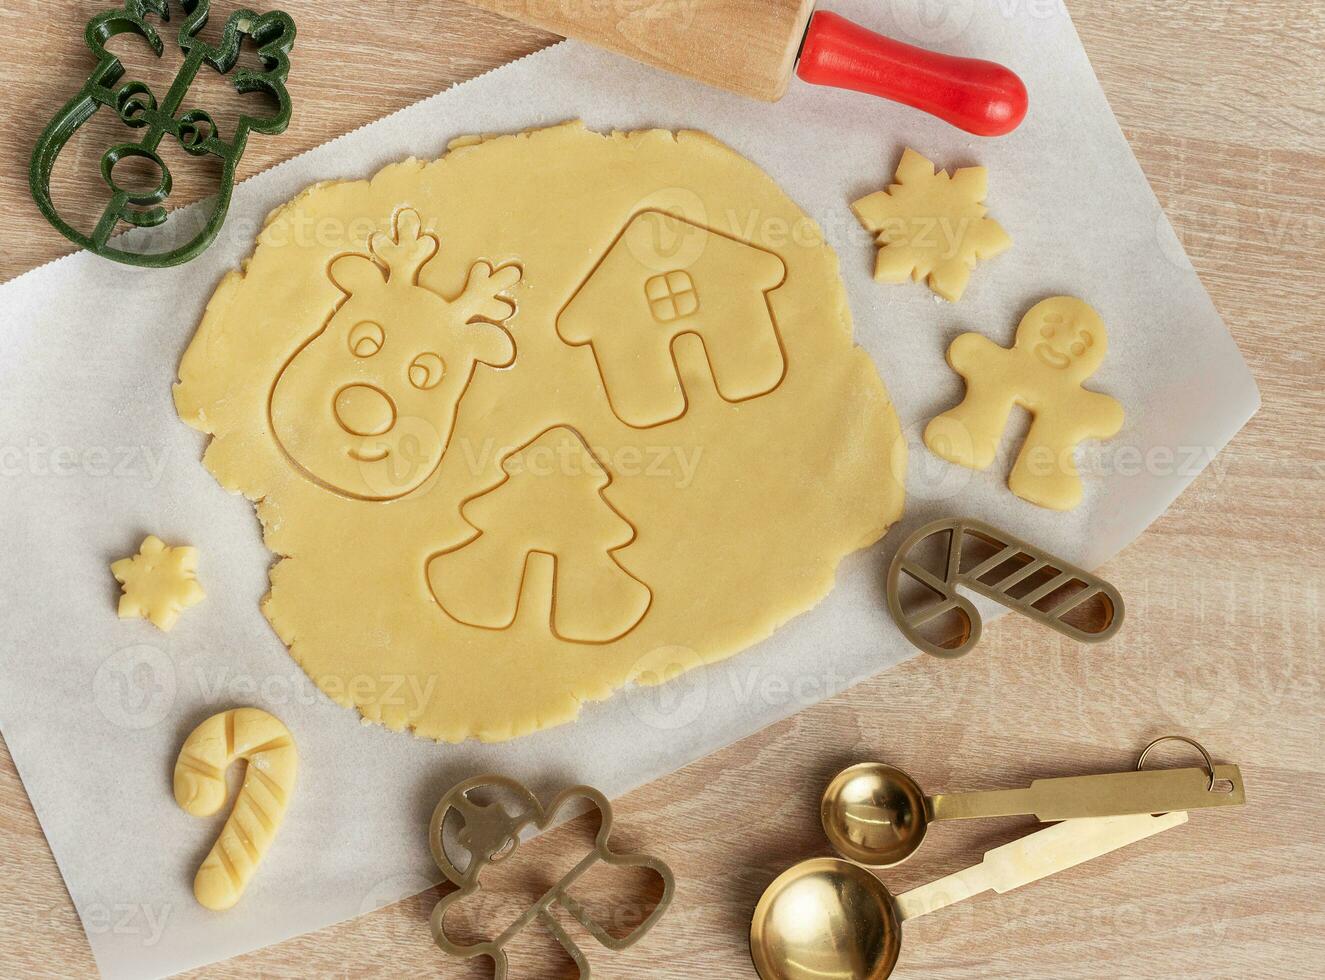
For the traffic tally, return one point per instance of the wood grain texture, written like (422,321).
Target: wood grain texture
(1220,101)
(744,46)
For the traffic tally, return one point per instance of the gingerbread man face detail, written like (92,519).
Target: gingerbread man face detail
(1066,335)
(1060,343)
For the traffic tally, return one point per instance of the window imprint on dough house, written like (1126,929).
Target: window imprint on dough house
(671,296)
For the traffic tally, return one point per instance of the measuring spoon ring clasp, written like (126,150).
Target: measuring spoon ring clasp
(1209,764)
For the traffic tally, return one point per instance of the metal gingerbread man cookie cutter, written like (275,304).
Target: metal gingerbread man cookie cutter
(138,108)
(490,833)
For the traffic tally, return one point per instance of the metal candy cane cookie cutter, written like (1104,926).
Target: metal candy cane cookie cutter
(491,822)
(1012,572)
(138,108)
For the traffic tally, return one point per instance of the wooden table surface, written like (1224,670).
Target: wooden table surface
(1220,100)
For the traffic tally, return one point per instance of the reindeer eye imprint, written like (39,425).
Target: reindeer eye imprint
(366,339)
(426,370)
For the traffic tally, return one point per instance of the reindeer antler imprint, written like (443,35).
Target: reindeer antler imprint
(585,523)
(365,408)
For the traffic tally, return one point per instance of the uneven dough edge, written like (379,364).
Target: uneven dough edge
(195,391)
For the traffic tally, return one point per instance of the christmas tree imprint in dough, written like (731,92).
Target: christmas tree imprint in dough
(158,583)
(930,225)
(1060,343)
(365,408)
(809,473)
(664,277)
(552,501)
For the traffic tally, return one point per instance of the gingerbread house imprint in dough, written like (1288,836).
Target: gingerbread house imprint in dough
(665,277)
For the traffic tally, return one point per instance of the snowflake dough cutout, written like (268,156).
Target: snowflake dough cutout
(930,225)
(159,582)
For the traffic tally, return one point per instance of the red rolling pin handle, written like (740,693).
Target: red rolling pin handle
(977,96)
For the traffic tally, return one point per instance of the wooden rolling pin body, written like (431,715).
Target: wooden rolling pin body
(752,47)
(744,46)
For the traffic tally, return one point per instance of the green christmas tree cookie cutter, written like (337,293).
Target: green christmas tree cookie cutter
(138,108)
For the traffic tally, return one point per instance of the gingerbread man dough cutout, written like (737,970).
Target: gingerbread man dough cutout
(551,500)
(1060,343)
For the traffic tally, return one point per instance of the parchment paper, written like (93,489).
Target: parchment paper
(93,457)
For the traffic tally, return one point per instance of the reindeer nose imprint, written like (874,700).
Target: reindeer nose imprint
(363,410)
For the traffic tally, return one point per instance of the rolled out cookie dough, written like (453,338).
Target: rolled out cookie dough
(554,413)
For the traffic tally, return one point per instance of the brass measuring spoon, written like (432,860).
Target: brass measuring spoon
(877,815)
(830,918)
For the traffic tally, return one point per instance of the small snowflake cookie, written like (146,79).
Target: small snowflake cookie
(932,225)
(158,582)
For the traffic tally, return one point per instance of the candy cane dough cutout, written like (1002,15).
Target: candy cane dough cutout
(200,788)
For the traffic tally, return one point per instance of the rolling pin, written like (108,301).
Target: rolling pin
(751,47)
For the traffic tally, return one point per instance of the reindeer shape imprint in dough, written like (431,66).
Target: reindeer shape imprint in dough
(365,408)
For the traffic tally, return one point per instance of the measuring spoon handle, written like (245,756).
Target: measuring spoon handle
(1036,856)
(1109,795)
